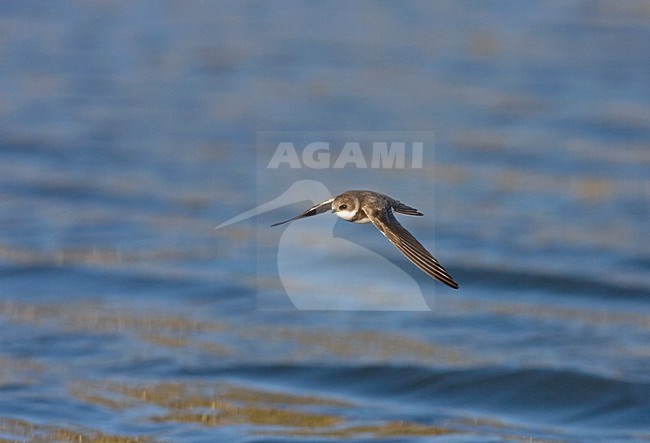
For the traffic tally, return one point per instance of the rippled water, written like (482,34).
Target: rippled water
(128,131)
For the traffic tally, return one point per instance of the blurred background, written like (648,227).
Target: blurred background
(128,132)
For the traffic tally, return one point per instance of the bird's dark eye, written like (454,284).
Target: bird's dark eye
(343,207)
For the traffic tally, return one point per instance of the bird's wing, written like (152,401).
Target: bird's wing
(316,209)
(385,221)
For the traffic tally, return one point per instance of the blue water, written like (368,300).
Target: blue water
(128,131)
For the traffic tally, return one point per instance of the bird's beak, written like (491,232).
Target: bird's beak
(333,210)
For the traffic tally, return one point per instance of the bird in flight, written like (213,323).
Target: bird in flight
(373,207)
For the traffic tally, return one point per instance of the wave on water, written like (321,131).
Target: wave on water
(559,398)
(551,283)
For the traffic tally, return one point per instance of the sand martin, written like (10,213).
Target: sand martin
(373,207)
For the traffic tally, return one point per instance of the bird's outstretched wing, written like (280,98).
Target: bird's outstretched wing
(385,221)
(316,209)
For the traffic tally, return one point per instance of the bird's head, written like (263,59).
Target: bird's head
(345,206)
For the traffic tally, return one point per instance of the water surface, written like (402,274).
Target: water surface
(128,131)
